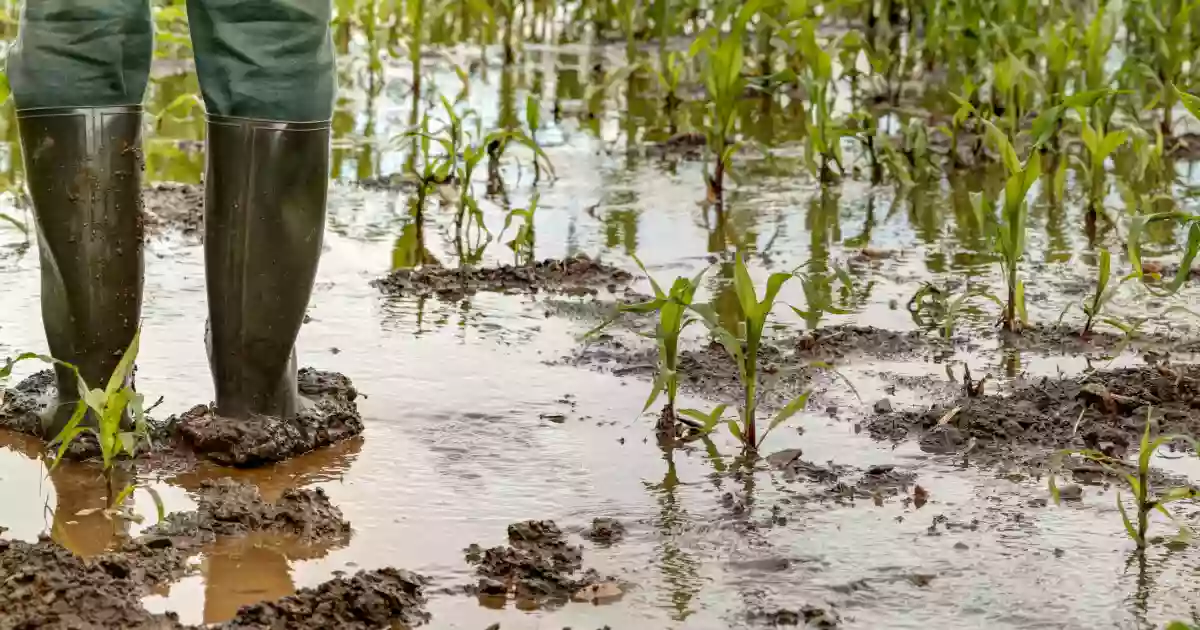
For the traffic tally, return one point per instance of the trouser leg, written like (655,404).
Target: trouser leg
(77,72)
(266,70)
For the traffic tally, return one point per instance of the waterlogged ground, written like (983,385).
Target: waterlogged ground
(488,410)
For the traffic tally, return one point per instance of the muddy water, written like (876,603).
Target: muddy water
(471,426)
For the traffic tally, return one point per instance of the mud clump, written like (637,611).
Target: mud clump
(809,616)
(837,342)
(46,586)
(578,275)
(175,207)
(605,531)
(365,601)
(228,508)
(537,566)
(1105,411)
(263,440)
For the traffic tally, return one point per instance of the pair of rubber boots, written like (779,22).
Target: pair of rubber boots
(264,209)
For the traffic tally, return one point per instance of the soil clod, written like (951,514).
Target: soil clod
(1104,411)
(606,531)
(538,566)
(578,275)
(368,600)
(262,440)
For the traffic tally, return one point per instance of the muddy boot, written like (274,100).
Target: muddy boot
(265,195)
(84,175)
(265,191)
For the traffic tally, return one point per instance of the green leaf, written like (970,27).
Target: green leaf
(736,430)
(124,494)
(794,407)
(1191,102)
(124,367)
(660,383)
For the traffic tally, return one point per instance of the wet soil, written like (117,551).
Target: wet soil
(784,363)
(537,567)
(1103,410)
(228,508)
(171,206)
(578,275)
(332,417)
(46,585)
(365,601)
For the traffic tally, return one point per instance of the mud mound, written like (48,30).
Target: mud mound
(578,275)
(836,342)
(263,440)
(228,508)
(537,566)
(170,206)
(45,586)
(1106,410)
(370,599)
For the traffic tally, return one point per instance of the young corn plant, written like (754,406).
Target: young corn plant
(1009,236)
(824,130)
(743,347)
(524,240)
(723,79)
(936,307)
(1138,482)
(1102,293)
(1099,144)
(102,413)
(673,316)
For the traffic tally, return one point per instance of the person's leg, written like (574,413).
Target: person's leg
(77,71)
(267,74)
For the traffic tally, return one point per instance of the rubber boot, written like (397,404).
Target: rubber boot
(265,193)
(84,176)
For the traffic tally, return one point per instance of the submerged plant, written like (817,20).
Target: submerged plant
(1099,144)
(1137,481)
(935,307)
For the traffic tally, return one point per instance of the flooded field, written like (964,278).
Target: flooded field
(910,489)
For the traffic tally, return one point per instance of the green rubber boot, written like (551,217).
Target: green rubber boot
(265,192)
(84,172)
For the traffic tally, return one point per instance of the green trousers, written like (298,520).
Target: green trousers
(264,59)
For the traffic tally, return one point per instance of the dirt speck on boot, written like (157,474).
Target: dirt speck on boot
(578,275)
(264,440)
(368,600)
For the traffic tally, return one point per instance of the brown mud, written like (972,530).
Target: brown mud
(384,598)
(332,417)
(1104,410)
(578,275)
(46,585)
(537,568)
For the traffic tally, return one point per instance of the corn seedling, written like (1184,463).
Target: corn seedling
(1138,482)
(102,413)
(723,62)
(672,310)
(1099,144)
(935,307)
(1102,293)
(1010,236)
(818,286)
(743,347)
(823,149)
(524,240)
